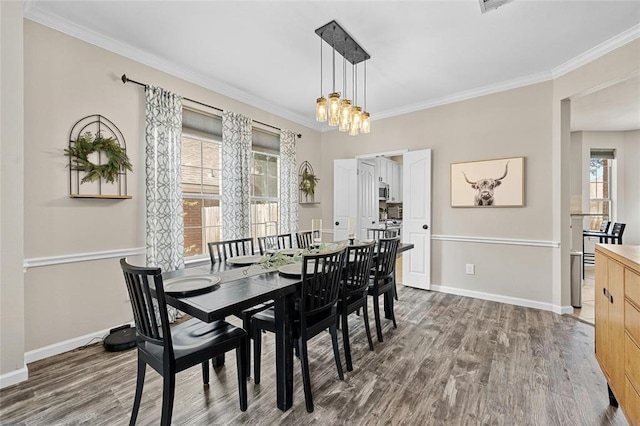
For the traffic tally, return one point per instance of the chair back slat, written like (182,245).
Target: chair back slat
(220,251)
(304,239)
(359,260)
(280,242)
(320,289)
(386,258)
(144,298)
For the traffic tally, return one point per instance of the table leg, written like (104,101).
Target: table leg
(284,351)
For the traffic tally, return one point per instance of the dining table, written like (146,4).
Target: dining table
(241,287)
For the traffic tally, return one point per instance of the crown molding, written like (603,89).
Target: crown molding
(470,94)
(597,51)
(35,14)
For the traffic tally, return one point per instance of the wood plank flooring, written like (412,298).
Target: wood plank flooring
(451,361)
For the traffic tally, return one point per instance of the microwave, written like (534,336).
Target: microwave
(383,191)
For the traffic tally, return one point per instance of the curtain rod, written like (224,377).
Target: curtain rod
(126,80)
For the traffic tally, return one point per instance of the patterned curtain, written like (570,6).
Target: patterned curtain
(288,183)
(164,226)
(236,176)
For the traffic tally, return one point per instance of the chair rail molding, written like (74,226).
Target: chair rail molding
(490,240)
(36,262)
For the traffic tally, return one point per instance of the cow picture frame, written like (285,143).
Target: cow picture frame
(488,183)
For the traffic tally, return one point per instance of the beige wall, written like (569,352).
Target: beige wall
(65,80)
(12,320)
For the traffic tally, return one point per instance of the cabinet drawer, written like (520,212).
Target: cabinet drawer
(632,361)
(631,405)
(632,321)
(632,286)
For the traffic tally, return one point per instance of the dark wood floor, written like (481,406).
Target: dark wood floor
(452,360)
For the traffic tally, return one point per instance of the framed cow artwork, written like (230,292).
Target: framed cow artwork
(488,183)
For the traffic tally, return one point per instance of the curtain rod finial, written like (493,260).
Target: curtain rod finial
(124,78)
(299,135)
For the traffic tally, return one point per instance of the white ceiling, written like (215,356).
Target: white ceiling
(423,53)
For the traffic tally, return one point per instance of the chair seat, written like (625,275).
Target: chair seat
(191,340)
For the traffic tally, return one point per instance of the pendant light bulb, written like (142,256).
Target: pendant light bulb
(354,130)
(334,109)
(345,115)
(365,123)
(321,109)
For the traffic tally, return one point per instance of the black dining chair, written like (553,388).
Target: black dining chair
(315,311)
(220,251)
(282,241)
(353,292)
(383,281)
(304,239)
(377,234)
(170,350)
(615,235)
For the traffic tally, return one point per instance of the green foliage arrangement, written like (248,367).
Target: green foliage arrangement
(86,144)
(308,182)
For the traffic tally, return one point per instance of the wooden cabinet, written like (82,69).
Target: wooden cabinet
(617,330)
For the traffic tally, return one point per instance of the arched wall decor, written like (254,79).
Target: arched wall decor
(307,181)
(98,161)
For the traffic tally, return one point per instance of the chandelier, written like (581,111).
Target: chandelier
(338,110)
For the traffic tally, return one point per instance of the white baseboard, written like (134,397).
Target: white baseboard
(65,346)
(14,377)
(503,299)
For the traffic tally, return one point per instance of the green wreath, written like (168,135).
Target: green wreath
(86,144)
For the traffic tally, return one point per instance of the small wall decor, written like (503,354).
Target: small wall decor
(98,161)
(307,183)
(488,183)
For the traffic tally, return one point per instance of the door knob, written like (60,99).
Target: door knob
(425,226)
(337,223)
(373,222)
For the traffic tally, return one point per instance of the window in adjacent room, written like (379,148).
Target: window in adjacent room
(600,186)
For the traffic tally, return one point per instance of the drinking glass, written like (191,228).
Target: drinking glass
(316,231)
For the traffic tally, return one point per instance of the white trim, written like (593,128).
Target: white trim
(35,262)
(503,299)
(14,377)
(597,51)
(66,346)
(504,241)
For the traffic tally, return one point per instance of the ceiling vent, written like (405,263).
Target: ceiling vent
(487,5)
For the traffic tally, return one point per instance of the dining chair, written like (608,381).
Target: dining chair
(280,242)
(353,292)
(615,235)
(590,258)
(304,239)
(315,311)
(170,350)
(383,281)
(220,251)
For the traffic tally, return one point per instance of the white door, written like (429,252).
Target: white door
(416,218)
(367,198)
(345,192)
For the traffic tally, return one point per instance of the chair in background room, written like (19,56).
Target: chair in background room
(283,241)
(383,282)
(170,350)
(220,251)
(353,292)
(304,239)
(615,235)
(316,311)
(377,234)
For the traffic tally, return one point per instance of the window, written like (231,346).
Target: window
(201,158)
(200,170)
(265,183)
(600,186)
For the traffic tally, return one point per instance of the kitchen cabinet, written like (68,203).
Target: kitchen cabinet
(617,328)
(390,172)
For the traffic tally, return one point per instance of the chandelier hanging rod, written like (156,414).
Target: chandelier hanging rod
(338,38)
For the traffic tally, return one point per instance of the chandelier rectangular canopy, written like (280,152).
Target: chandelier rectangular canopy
(339,110)
(338,38)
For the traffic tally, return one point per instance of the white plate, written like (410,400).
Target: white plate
(244,260)
(190,286)
(290,251)
(291,270)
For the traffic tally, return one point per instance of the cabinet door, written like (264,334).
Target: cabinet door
(602,311)
(381,165)
(616,328)
(397,182)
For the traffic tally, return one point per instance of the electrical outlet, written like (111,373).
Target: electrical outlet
(470,269)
